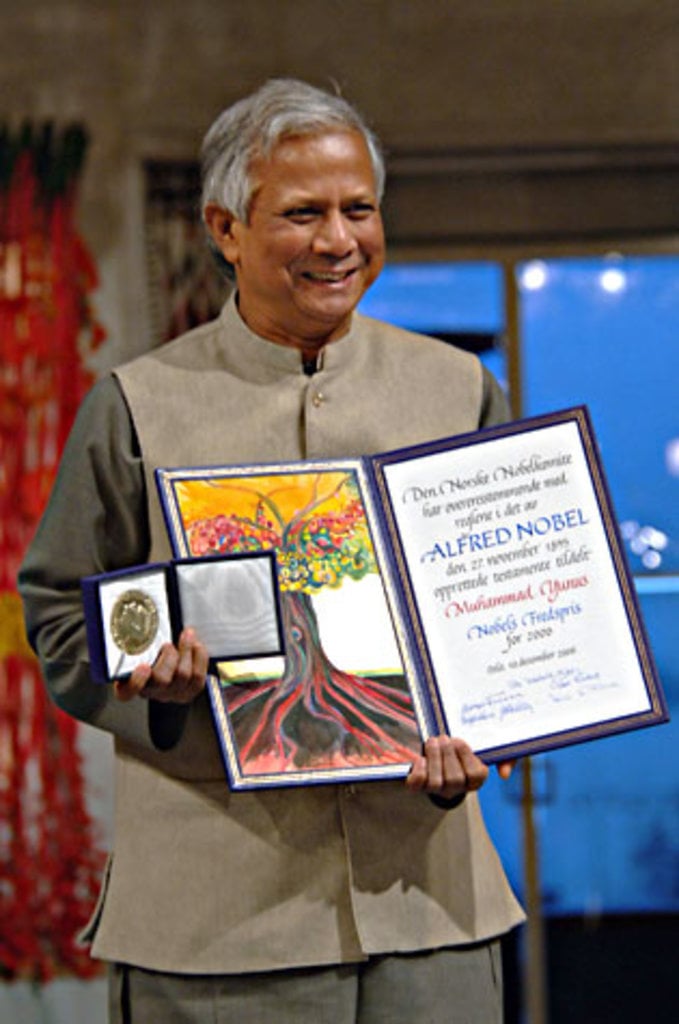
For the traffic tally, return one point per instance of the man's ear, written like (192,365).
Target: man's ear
(220,225)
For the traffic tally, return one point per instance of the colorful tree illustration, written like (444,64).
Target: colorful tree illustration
(315,714)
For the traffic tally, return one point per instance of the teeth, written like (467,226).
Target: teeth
(331,278)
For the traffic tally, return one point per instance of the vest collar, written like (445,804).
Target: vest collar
(253,350)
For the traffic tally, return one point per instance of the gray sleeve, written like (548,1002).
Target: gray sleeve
(494,404)
(95,521)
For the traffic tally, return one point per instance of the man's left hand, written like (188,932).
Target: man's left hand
(447,768)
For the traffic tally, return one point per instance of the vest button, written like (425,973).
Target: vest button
(318,399)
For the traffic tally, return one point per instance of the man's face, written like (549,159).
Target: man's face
(313,242)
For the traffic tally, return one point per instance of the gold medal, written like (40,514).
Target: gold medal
(134,621)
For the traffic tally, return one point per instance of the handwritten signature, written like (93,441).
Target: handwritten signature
(524,697)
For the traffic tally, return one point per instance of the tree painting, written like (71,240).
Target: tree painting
(312,714)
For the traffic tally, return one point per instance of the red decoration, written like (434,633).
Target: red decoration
(49,861)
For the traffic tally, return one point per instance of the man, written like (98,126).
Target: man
(377,902)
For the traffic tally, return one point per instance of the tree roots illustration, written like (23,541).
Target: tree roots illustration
(317,715)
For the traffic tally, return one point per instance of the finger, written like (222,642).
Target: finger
(440,771)
(160,684)
(179,674)
(164,668)
(201,659)
(459,768)
(505,768)
(475,771)
(417,777)
(126,689)
(193,663)
(453,779)
(183,668)
(434,753)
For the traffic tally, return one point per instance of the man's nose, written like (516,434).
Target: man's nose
(334,235)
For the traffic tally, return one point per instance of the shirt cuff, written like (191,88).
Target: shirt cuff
(449,803)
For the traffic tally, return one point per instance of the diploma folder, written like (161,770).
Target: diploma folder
(474,585)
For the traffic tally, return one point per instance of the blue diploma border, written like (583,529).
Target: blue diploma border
(656,710)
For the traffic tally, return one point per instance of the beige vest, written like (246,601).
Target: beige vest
(204,880)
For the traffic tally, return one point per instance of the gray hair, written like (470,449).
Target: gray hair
(253,127)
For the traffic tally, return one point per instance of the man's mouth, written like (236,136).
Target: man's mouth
(329,276)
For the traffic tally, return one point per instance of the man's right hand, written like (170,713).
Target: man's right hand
(177,675)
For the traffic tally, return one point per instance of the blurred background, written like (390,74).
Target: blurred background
(532,214)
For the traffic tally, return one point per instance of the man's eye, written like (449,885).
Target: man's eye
(301,214)
(359,210)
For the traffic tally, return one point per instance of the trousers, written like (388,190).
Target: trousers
(461,985)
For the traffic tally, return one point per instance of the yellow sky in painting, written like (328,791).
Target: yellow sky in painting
(292,493)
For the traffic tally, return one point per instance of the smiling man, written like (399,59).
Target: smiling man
(345,905)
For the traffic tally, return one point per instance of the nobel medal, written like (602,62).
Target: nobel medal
(134,621)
